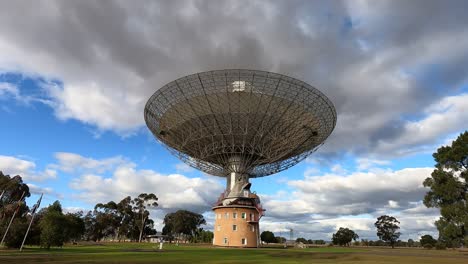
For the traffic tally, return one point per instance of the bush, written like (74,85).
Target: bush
(16,233)
(428,246)
(440,246)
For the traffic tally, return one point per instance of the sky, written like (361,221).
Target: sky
(75,76)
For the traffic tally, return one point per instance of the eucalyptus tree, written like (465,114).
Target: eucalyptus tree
(12,191)
(107,219)
(141,203)
(387,229)
(126,216)
(344,236)
(448,190)
(183,222)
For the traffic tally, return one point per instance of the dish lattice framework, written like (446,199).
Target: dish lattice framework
(244,121)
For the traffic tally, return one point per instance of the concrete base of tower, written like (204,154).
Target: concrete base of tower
(236,226)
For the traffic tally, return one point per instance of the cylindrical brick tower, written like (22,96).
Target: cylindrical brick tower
(237,211)
(236,226)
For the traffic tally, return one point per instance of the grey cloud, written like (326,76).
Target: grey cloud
(328,196)
(120,52)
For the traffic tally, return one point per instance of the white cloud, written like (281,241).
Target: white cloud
(175,191)
(183,167)
(318,205)
(8,89)
(367,163)
(338,169)
(393,204)
(74,209)
(444,117)
(353,194)
(15,165)
(24,168)
(71,162)
(34,189)
(310,171)
(11,91)
(117,111)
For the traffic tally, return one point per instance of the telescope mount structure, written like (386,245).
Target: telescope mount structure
(239,124)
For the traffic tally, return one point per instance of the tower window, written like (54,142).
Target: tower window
(234,227)
(244,241)
(225,240)
(234,215)
(243,215)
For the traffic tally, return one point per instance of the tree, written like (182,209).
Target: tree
(90,227)
(74,226)
(410,242)
(319,242)
(428,240)
(14,190)
(143,201)
(267,237)
(449,191)
(126,217)
(13,187)
(280,240)
(203,236)
(52,226)
(182,222)
(16,233)
(344,236)
(12,203)
(365,242)
(301,240)
(387,229)
(107,220)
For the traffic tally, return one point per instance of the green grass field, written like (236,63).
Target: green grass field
(147,253)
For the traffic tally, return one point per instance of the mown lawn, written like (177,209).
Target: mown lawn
(147,253)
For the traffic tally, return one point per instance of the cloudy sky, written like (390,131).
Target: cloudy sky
(75,75)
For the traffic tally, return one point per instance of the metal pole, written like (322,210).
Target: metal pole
(1,198)
(11,221)
(8,228)
(27,231)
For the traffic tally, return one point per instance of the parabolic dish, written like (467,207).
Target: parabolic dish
(266,122)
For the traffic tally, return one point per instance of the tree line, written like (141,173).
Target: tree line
(387,232)
(126,220)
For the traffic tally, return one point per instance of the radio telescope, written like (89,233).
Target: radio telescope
(239,124)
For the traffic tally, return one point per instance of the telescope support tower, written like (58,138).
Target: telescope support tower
(238,210)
